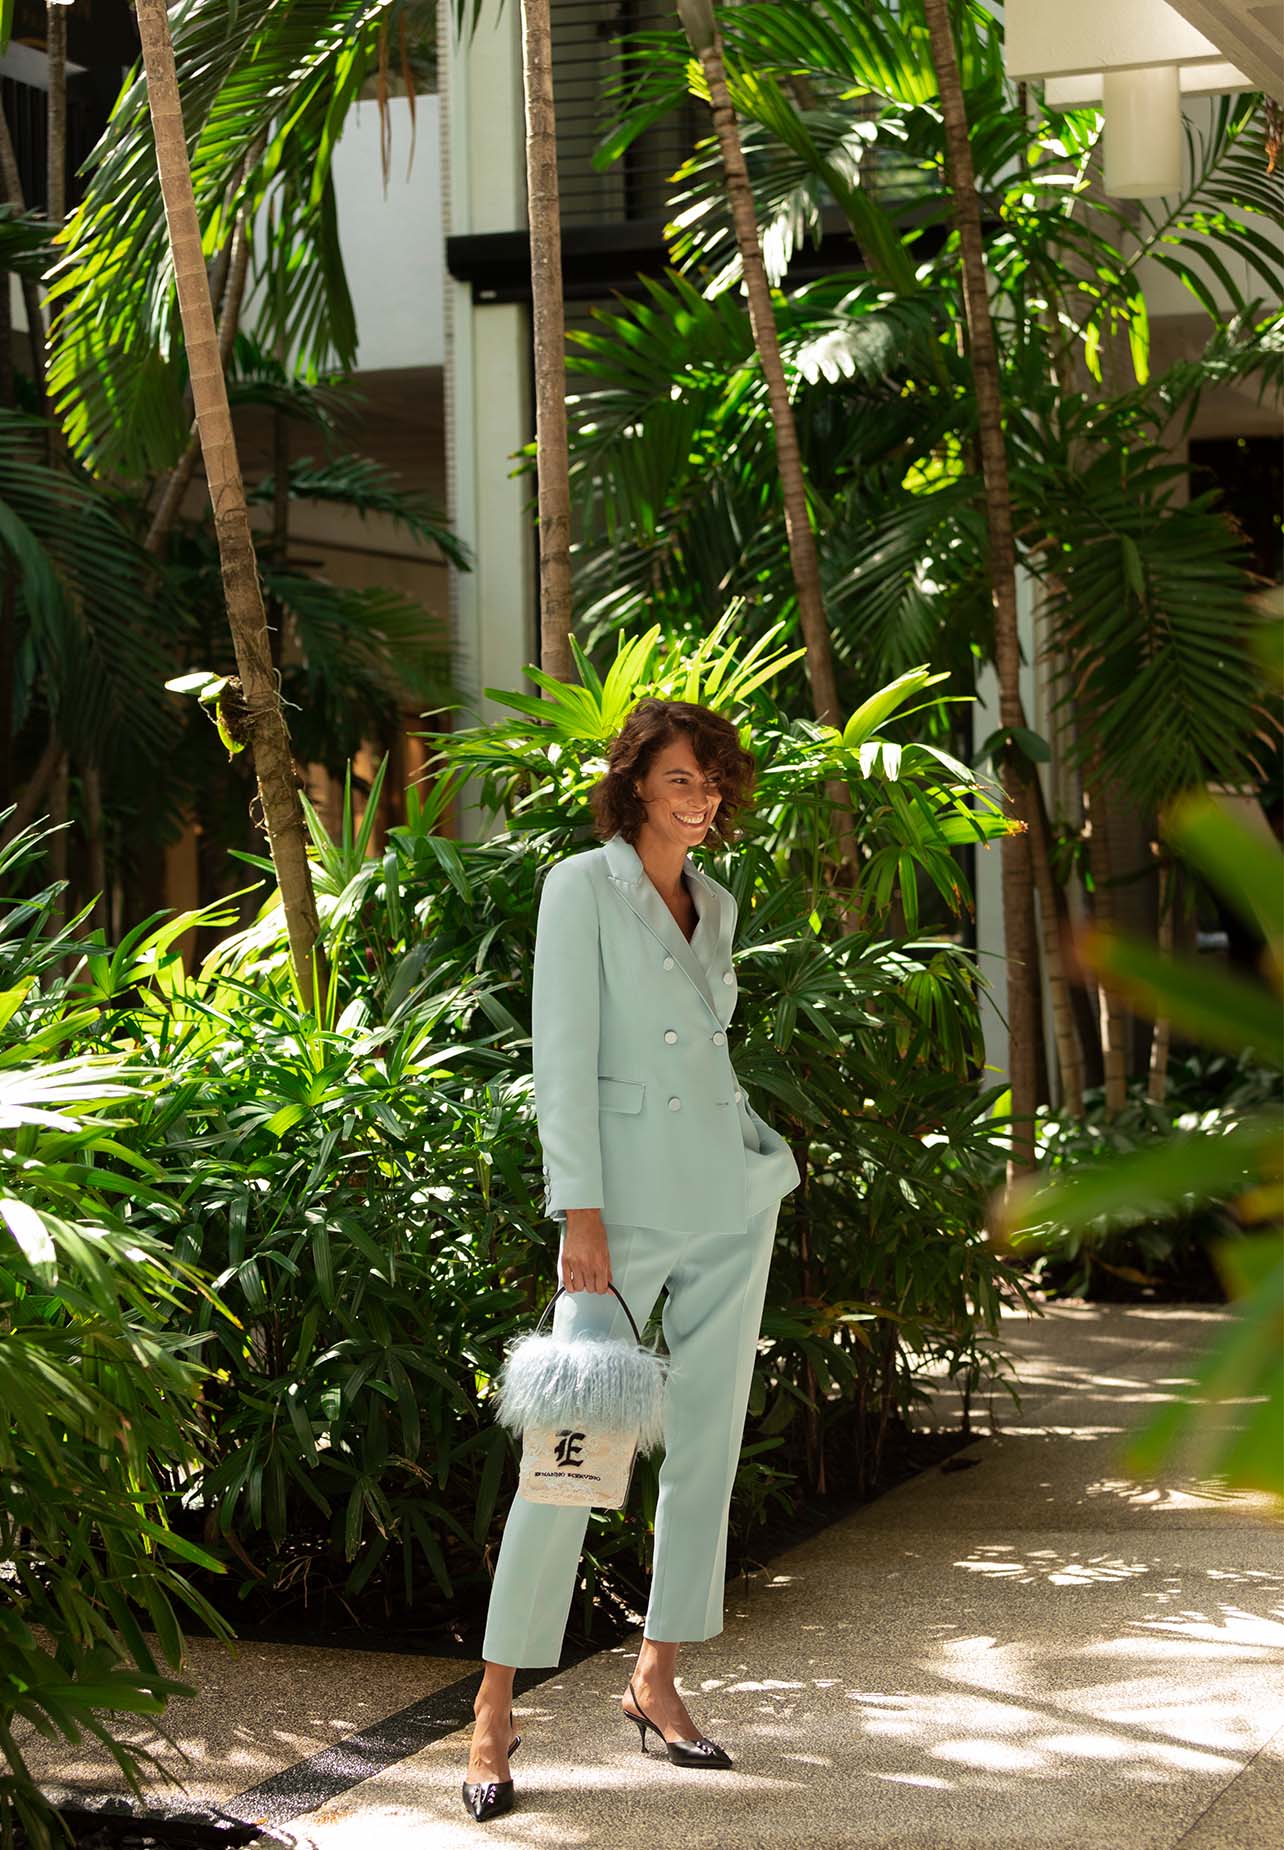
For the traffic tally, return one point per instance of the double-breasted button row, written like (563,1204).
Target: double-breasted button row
(719,1038)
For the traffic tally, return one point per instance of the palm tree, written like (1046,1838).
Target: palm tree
(56,54)
(549,343)
(888,454)
(1018,894)
(12,184)
(233,272)
(548,337)
(261,713)
(700,23)
(104,628)
(268,87)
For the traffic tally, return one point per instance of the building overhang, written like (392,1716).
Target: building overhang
(607,259)
(1137,62)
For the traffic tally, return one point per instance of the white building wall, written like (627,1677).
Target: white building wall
(393,239)
(488,410)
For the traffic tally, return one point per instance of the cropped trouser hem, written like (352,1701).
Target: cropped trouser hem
(712,1314)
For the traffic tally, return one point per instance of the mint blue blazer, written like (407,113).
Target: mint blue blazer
(639,1109)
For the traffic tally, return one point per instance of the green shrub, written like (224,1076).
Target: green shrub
(100,1374)
(362,1190)
(1229,1155)
(406,1129)
(1146,1245)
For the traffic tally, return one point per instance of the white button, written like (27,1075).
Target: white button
(670,1035)
(737,1091)
(675,1104)
(719,1038)
(727,977)
(668,963)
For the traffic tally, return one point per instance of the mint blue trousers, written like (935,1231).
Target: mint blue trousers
(716,1286)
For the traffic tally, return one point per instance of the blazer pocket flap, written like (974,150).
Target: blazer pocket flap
(620,1094)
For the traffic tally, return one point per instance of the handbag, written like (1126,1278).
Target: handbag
(585,1405)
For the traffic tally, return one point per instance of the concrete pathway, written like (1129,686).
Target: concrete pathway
(1031,1652)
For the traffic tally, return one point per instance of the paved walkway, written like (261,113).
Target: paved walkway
(1031,1652)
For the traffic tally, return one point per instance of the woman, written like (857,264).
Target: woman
(662,1176)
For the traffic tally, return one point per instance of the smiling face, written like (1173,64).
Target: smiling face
(680,800)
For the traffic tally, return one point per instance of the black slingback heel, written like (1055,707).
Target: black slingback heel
(487,1798)
(700,1752)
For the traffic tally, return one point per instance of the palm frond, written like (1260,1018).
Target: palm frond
(904,575)
(265,90)
(366,651)
(1148,601)
(674,470)
(1240,351)
(1231,208)
(25,248)
(381,635)
(369,488)
(84,642)
(878,48)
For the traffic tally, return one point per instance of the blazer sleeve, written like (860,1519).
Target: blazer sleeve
(564,1039)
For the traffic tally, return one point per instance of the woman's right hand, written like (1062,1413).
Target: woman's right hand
(586,1258)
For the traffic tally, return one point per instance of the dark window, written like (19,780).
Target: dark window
(27,110)
(587,64)
(1250,473)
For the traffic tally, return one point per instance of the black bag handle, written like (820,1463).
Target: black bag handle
(559,1292)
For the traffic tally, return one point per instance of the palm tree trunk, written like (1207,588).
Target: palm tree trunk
(1053,930)
(56,154)
(280,522)
(56,57)
(1161,1034)
(548,336)
(1017,874)
(1099,798)
(93,823)
(1111,1013)
(266,730)
(180,478)
(280,554)
(6,574)
(12,181)
(701,26)
(59,858)
(7,614)
(36,788)
(700,23)
(1054,919)
(886,1388)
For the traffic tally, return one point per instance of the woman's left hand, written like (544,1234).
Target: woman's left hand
(586,1257)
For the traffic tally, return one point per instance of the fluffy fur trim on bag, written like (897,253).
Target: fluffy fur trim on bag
(602,1382)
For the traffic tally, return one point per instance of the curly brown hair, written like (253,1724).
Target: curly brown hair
(651,724)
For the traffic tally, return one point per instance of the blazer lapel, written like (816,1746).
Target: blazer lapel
(632,882)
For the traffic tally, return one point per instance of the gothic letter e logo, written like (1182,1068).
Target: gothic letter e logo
(568,1450)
